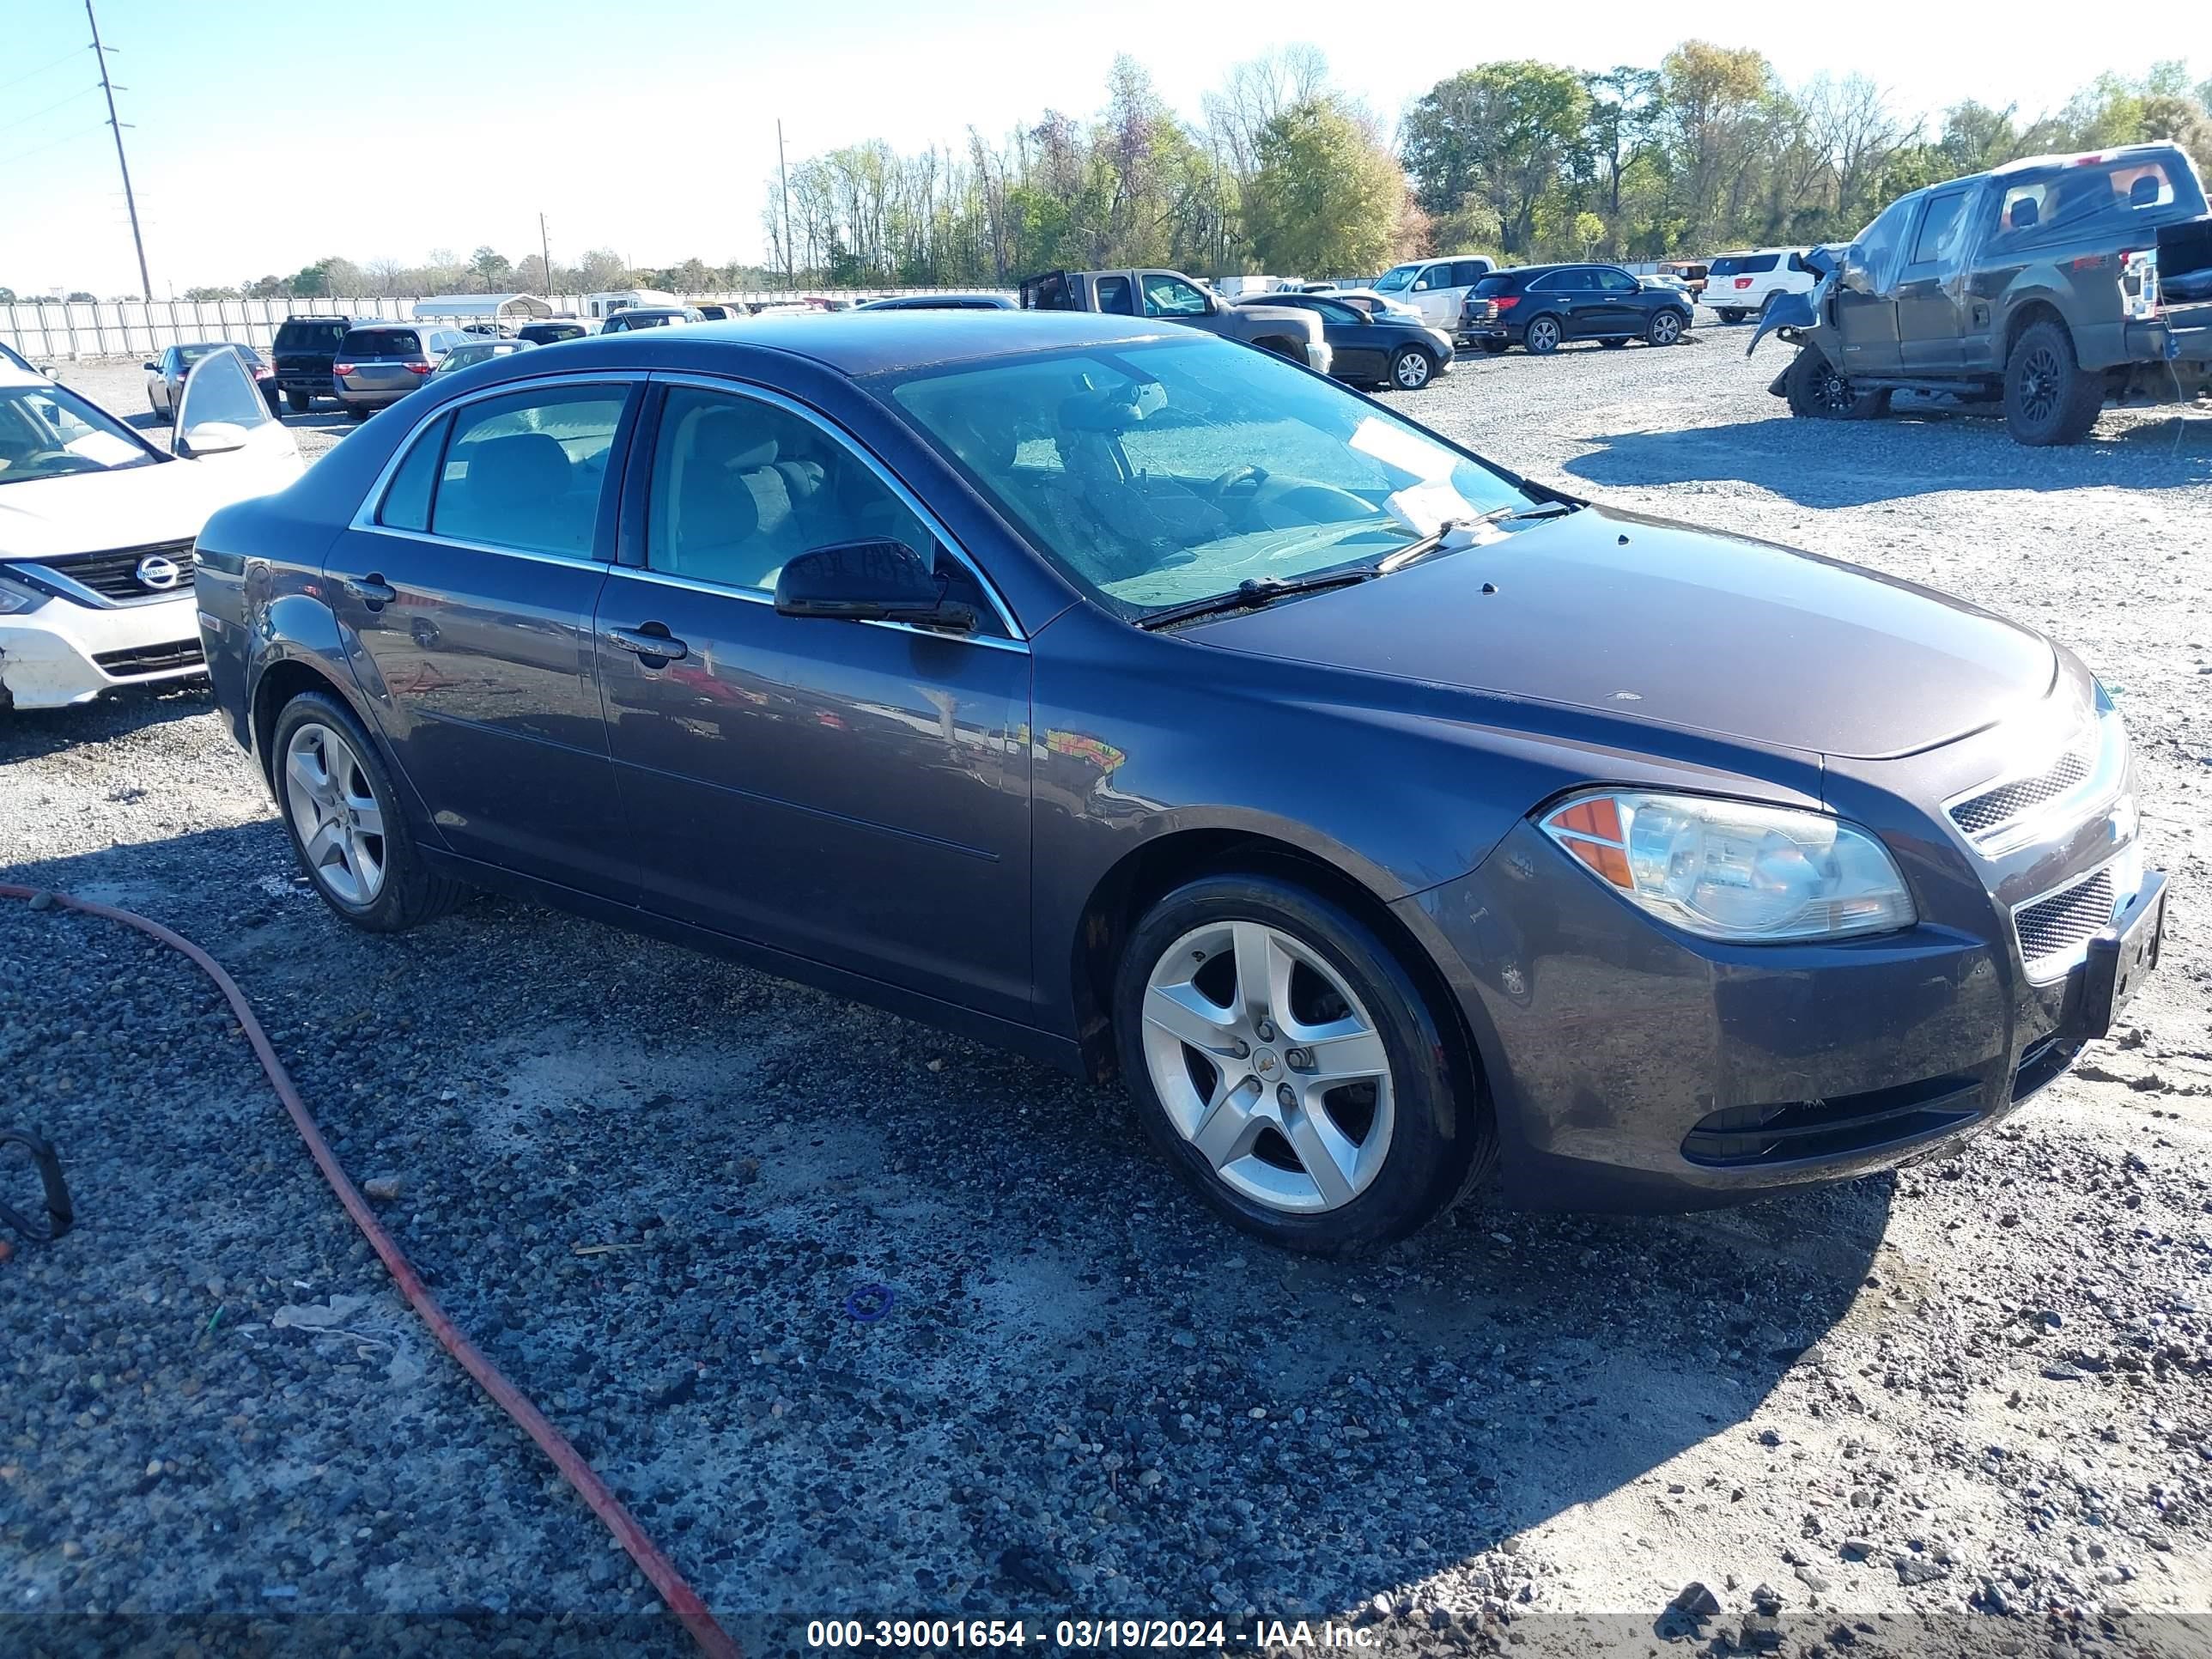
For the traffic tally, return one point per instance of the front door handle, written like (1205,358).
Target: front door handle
(372,591)
(651,641)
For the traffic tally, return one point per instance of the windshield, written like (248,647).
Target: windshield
(1156,475)
(49,432)
(1397,277)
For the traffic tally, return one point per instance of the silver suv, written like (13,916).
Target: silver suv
(380,363)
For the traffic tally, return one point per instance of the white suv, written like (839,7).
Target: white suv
(1437,289)
(1739,285)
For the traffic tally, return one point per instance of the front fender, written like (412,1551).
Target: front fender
(1792,311)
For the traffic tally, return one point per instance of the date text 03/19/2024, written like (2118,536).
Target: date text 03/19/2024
(1080,1635)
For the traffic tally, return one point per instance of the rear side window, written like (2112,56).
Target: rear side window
(381,342)
(1758,263)
(407,498)
(1465,273)
(1114,295)
(526,471)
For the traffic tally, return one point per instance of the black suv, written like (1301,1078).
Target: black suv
(1539,307)
(306,348)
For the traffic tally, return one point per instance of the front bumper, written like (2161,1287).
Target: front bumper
(1634,1067)
(62,653)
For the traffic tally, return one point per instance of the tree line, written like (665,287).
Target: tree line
(1283,172)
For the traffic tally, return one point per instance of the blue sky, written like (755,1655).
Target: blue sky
(270,132)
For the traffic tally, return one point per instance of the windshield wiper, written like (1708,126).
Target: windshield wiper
(1413,551)
(1253,594)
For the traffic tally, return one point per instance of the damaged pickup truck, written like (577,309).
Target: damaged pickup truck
(2036,285)
(1173,297)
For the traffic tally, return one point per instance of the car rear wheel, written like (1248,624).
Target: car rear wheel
(1729,313)
(299,401)
(2049,398)
(1498,348)
(1615,342)
(1542,334)
(1665,328)
(1286,1064)
(343,816)
(1412,368)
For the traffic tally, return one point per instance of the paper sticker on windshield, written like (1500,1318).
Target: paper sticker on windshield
(1425,508)
(1395,446)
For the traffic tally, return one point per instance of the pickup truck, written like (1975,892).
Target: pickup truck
(2035,286)
(1174,297)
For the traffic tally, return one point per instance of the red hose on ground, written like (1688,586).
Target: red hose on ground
(682,1600)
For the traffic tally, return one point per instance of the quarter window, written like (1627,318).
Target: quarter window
(526,471)
(407,499)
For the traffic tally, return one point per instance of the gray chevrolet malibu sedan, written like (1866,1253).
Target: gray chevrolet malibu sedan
(1153,705)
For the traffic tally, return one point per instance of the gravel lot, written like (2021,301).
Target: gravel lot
(1962,1409)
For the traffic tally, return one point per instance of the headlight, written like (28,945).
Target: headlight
(14,597)
(1733,869)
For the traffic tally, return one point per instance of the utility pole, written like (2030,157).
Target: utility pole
(145,281)
(545,253)
(790,275)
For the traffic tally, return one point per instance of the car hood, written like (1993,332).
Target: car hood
(91,512)
(1617,612)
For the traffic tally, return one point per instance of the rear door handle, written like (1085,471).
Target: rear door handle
(652,640)
(372,591)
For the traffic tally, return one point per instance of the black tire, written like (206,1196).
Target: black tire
(1666,328)
(1413,362)
(299,401)
(1613,343)
(2049,398)
(161,416)
(410,894)
(1496,348)
(1731,314)
(357,415)
(1441,1134)
(1817,391)
(1542,334)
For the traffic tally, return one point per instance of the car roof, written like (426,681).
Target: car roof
(894,339)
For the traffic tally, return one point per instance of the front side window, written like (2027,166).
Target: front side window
(1881,245)
(526,471)
(1396,279)
(741,487)
(49,432)
(1940,227)
(1156,474)
(1171,296)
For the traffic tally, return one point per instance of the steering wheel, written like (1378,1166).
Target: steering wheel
(1254,476)
(47,459)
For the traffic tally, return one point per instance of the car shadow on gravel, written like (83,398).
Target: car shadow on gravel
(667,1195)
(1916,452)
(26,733)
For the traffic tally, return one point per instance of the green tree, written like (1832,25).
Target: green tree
(489,266)
(1325,197)
(1508,132)
(1470,227)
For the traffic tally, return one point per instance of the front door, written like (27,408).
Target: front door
(856,794)
(1930,320)
(466,589)
(222,420)
(1866,294)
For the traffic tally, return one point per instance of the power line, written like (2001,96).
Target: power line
(35,149)
(32,75)
(80,93)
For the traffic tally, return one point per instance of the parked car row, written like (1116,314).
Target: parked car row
(1542,307)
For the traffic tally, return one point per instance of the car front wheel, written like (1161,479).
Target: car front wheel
(1285,1063)
(343,817)
(1412,368)
(1664,329)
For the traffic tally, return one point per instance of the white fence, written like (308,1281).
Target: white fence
(127,328)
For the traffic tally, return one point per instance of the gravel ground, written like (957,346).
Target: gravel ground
(1959,1409)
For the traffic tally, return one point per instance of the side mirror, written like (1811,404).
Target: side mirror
(151,368)
(869,581)
(211,438)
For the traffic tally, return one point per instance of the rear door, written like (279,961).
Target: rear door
(464,587)
(223,422)
(1932,317)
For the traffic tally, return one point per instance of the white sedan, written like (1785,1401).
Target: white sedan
(97,525)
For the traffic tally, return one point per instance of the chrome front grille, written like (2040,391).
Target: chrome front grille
(1994,809)
(113,574)
(2055,929)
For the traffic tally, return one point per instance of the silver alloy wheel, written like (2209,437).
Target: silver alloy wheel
(1412,371)
(1543,334)
(1269,1064)
(1666,329)
(335,812)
